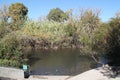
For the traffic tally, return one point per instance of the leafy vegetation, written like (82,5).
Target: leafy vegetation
(18,14)
(10,49)
(57,15)
(17,11)
(113,42)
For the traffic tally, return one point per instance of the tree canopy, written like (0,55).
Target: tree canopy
(17,11)
(113,41)
(57,15)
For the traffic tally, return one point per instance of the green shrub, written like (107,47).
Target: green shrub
(11,49)
(5,62)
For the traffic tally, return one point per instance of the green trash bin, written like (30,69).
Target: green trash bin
(26,71)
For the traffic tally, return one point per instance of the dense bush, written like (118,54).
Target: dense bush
(113,41)
(11,49)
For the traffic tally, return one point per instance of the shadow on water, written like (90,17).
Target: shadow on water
(59,62)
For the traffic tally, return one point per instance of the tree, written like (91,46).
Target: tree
(57,15)
(113,42)
(90,23)
(17,11)
(91,33)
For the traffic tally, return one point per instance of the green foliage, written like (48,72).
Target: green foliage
(18,12)
(57,15)
(4,29)
(11,49)
(100,37)
(5,62)
(48,32)
(90,27)
(113,41)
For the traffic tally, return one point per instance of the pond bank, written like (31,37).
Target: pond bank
(94,74)
(7,73)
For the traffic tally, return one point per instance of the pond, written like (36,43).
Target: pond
(59,62)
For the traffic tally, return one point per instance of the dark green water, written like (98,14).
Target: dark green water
(59,62)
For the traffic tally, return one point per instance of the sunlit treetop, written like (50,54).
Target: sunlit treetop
(17,11)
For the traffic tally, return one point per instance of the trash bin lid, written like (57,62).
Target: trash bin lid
(25,67)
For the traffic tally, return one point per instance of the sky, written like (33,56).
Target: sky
(39,8)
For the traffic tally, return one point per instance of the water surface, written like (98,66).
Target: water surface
(59,62)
